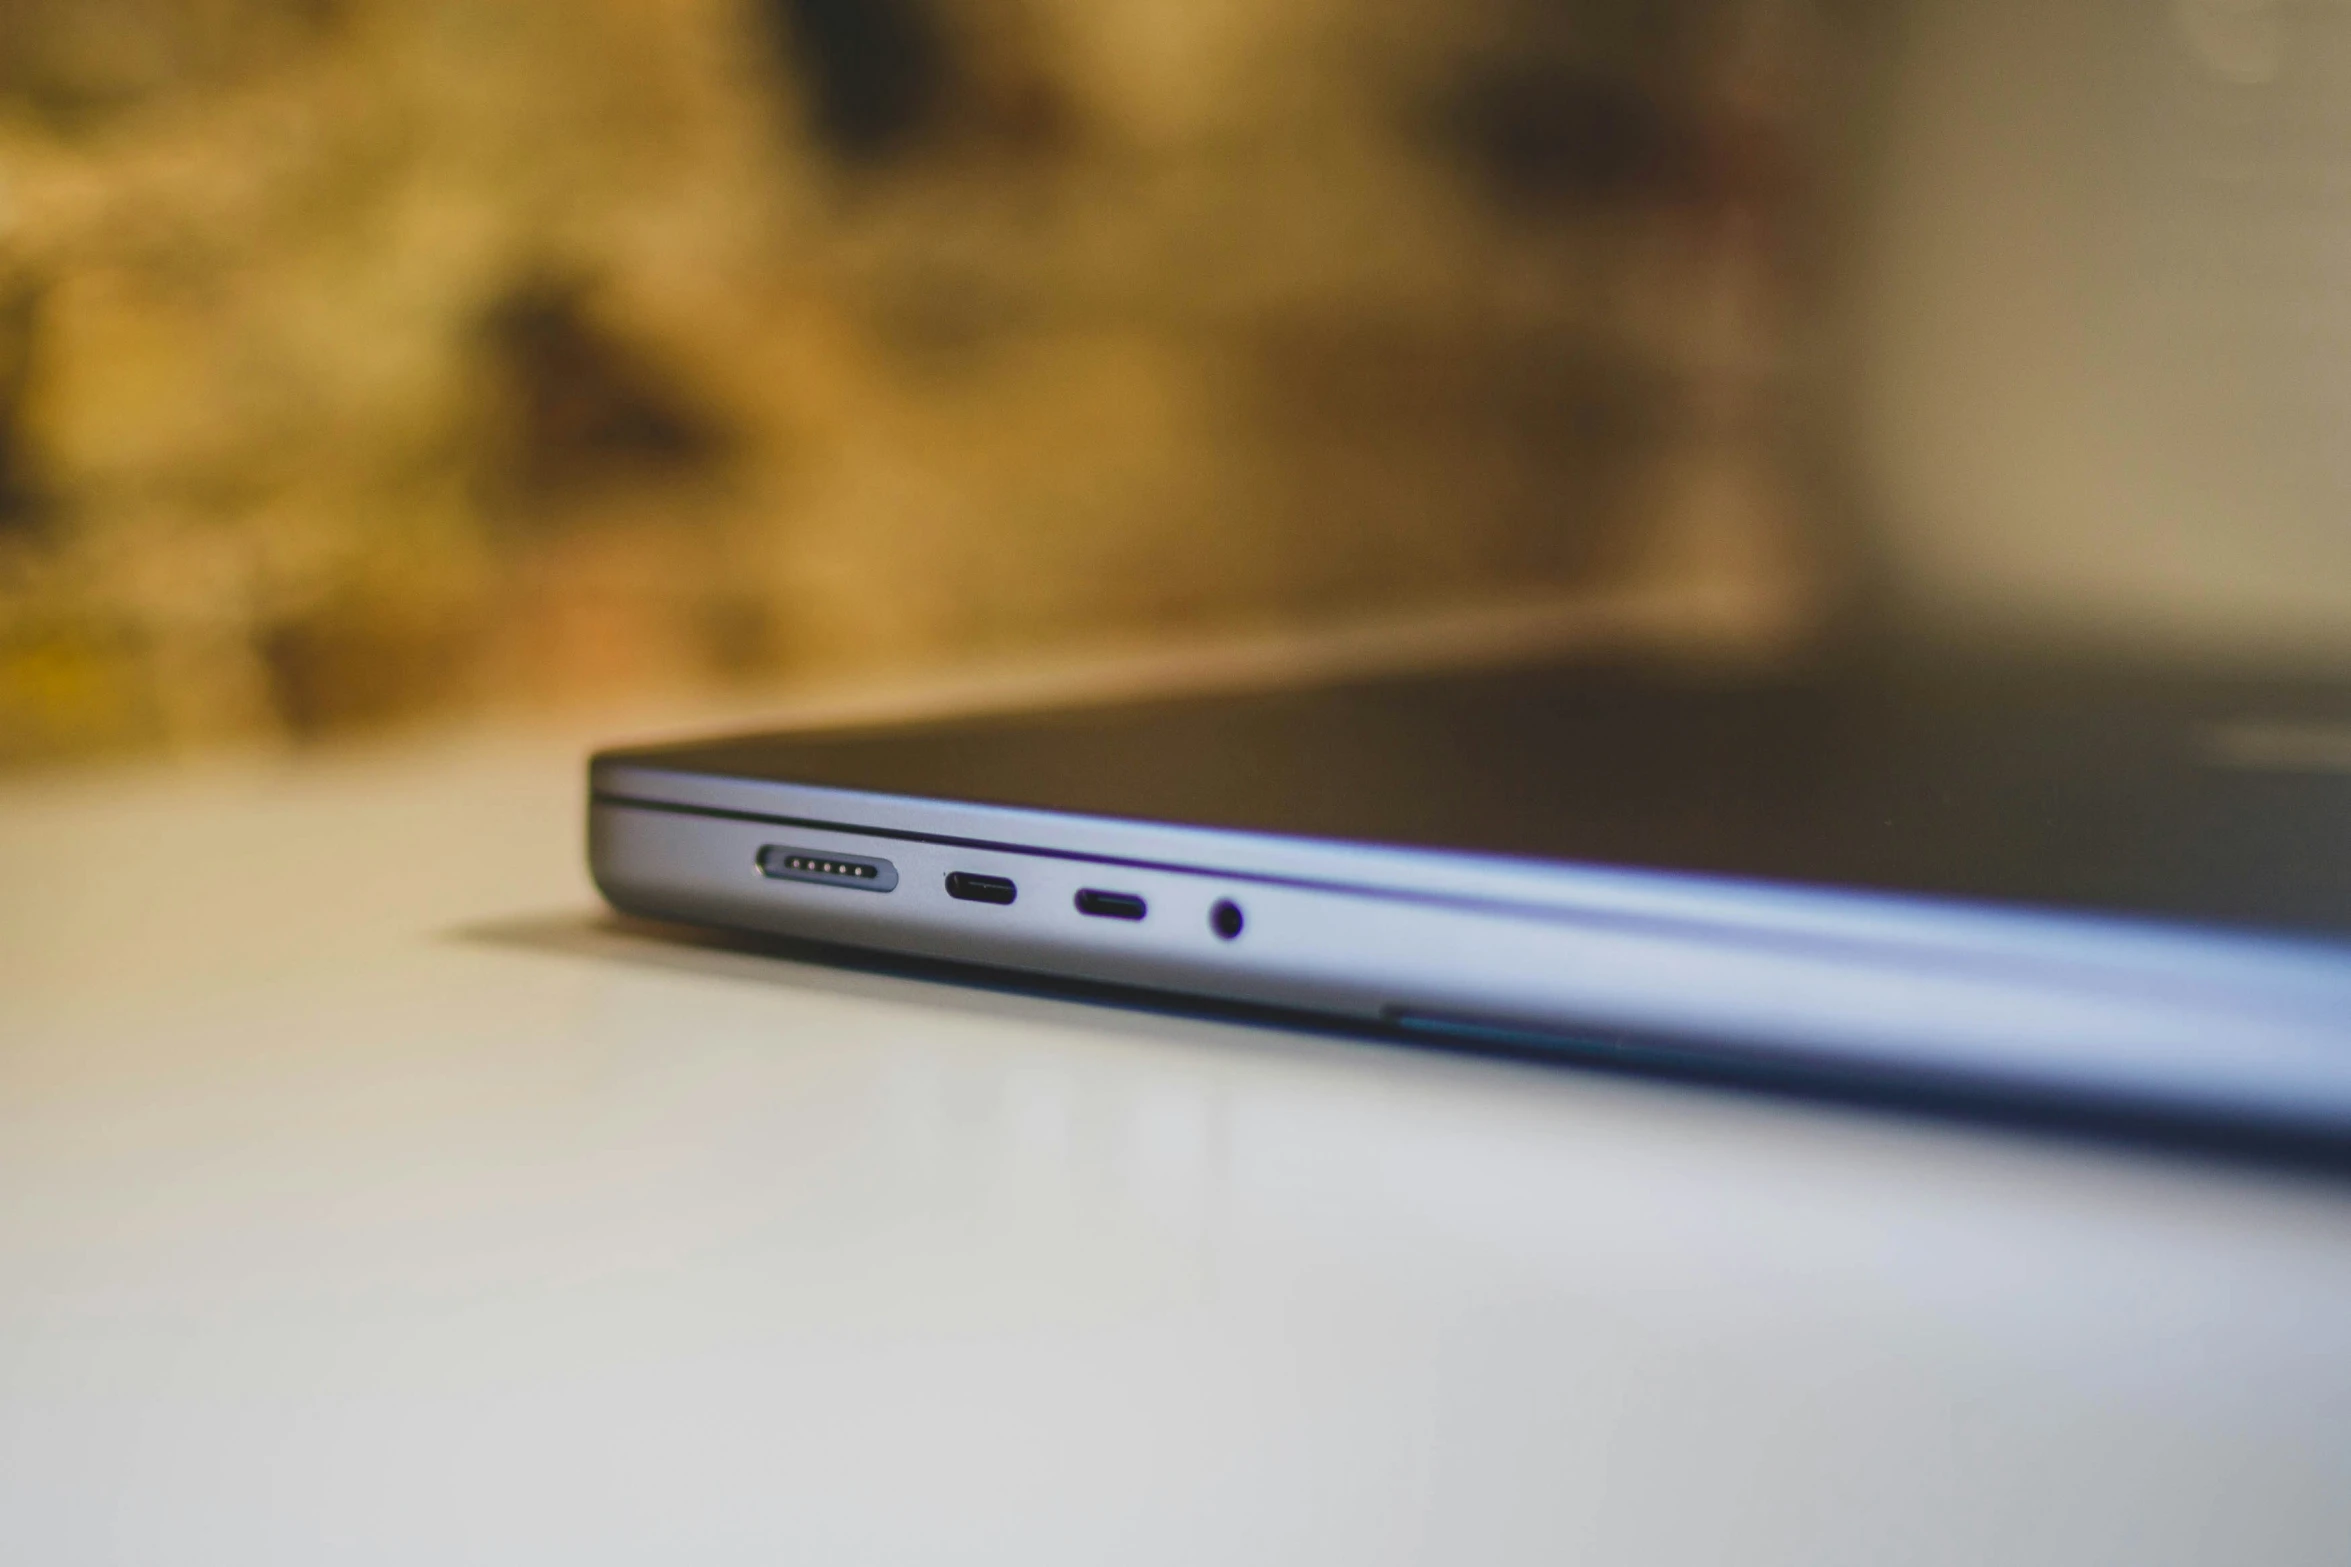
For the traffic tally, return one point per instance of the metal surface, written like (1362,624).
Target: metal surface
(2108,1009)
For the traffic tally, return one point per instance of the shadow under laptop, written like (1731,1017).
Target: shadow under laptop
(1670,1065)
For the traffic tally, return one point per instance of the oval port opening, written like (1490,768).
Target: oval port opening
(972,887)
(1111,905)
(1227,920)
(781,862)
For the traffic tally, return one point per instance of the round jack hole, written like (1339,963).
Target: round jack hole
(1225,919)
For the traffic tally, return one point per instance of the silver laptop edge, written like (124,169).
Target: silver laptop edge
(1879,985)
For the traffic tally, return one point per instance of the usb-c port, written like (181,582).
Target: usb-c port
(974,888)
(1111,905)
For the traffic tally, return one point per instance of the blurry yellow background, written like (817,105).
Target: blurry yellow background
(364,359)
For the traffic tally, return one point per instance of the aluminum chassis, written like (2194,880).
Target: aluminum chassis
(2128,1013)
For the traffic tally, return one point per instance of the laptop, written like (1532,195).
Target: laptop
(2124,886)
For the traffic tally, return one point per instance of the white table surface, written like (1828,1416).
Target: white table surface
(365,1195)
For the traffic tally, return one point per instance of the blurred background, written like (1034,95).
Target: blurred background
(370,362)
